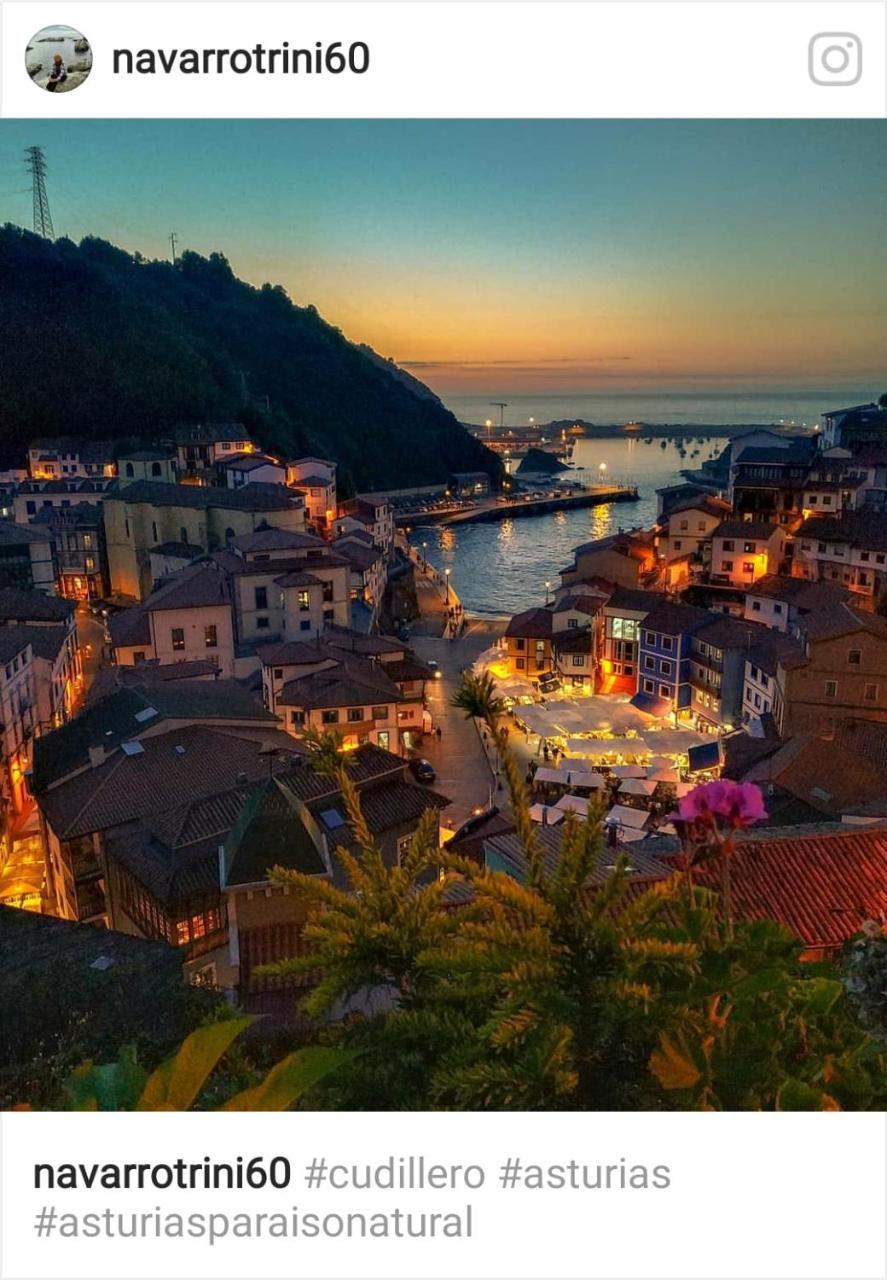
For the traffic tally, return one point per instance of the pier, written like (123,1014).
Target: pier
(487,510)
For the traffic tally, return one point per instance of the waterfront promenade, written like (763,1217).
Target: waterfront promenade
(486,510)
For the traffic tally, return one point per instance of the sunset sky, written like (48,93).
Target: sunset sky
(529,256)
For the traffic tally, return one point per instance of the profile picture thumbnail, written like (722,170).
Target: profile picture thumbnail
(58,59)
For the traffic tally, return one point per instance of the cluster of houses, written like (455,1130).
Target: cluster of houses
(758,603)
(242,621)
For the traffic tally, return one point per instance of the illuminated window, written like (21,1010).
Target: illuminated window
(178,638)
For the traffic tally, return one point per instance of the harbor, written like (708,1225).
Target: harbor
(516,506)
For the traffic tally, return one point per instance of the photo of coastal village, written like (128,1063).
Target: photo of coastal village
(443,616)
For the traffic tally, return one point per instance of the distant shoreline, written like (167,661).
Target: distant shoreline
(657,430)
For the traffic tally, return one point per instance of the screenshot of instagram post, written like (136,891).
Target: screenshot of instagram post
(443,640)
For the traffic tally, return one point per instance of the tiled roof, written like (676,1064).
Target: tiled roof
(359,556)
(532,624)
(581,603)
(800,592)
(312,482)
(864,529)
(82,515)
(754,529)
(821,887)
(182,763)
(634,600)
(252,497)
(33,606)
(350,684)
(841,619)
(46,642)
(770,649)
(676,619)
(275,540)
(114,720)
(130,627)
(13,641)
(31,943)
(704,502)
(249,462)
(12,535)
(573,640)
(726,632)
(385,806)
(199,586)
(297,578)
(817,771)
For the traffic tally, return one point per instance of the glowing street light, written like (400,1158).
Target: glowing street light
(447,576)
(425,556)
(547,591)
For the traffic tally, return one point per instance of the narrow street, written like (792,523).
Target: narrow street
(458,757)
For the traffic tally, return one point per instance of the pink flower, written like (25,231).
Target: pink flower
(722,803)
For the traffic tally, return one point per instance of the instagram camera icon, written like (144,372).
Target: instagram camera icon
(835,58)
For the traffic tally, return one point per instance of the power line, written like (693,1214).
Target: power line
(36,165)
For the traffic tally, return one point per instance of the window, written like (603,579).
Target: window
(831,688)
(297,718)
(871,693)
(726,566)
(178,637)
(380,713)
(727,545)
(756,606)
(664,691)
(155,468)
(777,609)
(649,664)
(304,625)
(879,559)
(520,663)
(130,471)
(826,500)
(261,597)
(865,555)
(665,668)
(667,643)
(138,657)
(304,601)
(355,715)
(749,548)
(263,623)
(572,624)
(748,566)
(329,717)
(403,847)
(520,645)
(210,636)
(649,686)
(89,562)
(649,637)
(684,525)
(676,544)
(31,508)
(578,660)
(854,657)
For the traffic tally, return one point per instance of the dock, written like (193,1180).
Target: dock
(488,510)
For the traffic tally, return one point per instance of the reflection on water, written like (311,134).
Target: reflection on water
(501,568)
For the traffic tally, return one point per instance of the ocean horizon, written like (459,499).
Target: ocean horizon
(783,407)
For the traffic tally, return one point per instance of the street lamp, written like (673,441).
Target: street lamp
(447,576)
(602,469)
(425,556)
(547,590)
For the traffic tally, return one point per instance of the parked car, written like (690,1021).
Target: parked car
(434,669)
(423,770)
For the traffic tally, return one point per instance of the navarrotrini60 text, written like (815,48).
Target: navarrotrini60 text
(334,59)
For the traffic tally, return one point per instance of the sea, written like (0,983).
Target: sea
(500,568)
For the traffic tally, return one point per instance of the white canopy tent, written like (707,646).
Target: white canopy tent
(546,814)
(573,804)
(636,787)
(622,816)
(628,771)
(598,748)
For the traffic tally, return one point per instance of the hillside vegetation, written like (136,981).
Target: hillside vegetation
(99,343)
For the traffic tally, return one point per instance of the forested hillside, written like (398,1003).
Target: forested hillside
(98,343)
